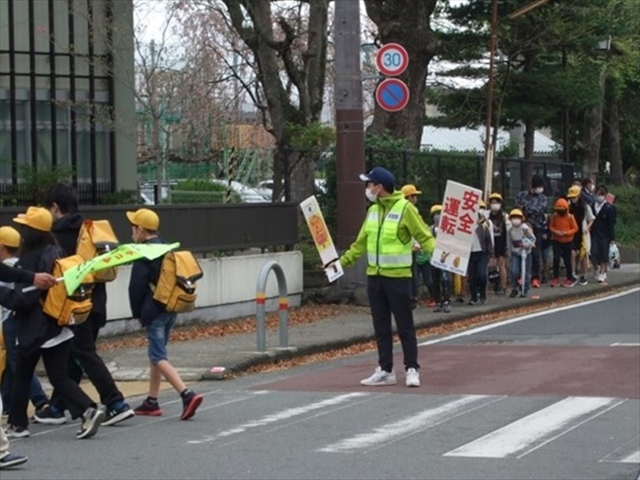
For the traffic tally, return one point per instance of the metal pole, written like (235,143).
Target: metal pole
(565,116)
(283,306)
(488,146)
(349,122)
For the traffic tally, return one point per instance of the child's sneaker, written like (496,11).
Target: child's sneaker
(148,407)
(379,378)
(118,413)
(535,283)
(50,415)
(190,403)
(446,308)
(514,293)
(91,421)
(554,282)
(14,431)
(568,283)
(11,460)
(583,280)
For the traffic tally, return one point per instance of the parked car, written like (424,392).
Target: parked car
(246,193)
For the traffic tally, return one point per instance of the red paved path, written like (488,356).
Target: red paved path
(497,370)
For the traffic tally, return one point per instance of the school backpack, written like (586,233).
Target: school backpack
(95,238)
(68,309)
(176,287)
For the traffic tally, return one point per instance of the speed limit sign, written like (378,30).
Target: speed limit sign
(392,59)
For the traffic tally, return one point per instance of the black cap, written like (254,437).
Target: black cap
(537,181)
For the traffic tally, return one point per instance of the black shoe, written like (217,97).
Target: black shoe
(483,301)
(12,460)
(13,431)
(513,294)
(583,280)
(118,414)
(414,304)
(50,415)
(91,421)
(150,408)
(473,302)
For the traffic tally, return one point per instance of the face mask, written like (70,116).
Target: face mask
(495,207)
(591,188)
(436,219)
(516,222)
(539,190)
(600,199)
(372,197)
(561,212)
(574,200)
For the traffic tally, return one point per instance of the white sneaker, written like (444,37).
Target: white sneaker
(413,378)
(379,377)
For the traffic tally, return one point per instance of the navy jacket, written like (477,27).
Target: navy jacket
(605,222)
(143,273)
(66,230)
(34,327)
(10,275)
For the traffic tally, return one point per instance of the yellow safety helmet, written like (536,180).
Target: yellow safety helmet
(516,212)
(435,209)
(495,196)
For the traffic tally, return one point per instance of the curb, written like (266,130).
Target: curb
(275,356)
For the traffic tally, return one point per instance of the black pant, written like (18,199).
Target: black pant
(387,296)
(562,250)
(441,285)
(84,358)
(55,361)
(477,274)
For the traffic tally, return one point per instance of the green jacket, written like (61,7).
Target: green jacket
(411,226)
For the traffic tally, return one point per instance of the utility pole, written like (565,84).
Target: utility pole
(349,122)
(488,143)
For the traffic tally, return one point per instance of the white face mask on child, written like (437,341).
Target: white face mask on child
(516,222)
(495,207)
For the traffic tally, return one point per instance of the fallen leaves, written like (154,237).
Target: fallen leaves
(297,316)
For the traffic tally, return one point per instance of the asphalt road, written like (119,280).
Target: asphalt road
(553,396)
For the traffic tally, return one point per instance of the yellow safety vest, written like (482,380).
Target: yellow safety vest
(384,248)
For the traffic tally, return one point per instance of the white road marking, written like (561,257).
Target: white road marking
(627,453)
(411,425)
(536,430)
(280,416)
(625,344)
(491,326)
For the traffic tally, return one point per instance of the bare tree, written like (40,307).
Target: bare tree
(286,47)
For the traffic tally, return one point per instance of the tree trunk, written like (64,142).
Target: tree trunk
(406,22)
(529,147)
(615,154)
(591,138)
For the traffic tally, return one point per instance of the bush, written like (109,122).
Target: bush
(627,205)
(198,190)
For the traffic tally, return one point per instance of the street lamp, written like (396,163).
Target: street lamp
(489,147)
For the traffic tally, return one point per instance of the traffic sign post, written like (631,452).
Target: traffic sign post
(392,59)
(392,94)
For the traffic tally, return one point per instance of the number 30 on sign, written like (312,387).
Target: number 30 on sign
(392,59)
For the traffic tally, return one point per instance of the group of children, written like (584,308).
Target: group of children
(44,234)
(512,249)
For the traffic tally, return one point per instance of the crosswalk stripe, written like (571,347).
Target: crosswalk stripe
(280,416)
(627,453)
(533,431)
(391,432)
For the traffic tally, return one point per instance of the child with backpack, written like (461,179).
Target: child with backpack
(70,230)
(563,227)
(520,242)
(9,245)
(439,278)
(39,335)
(154,317)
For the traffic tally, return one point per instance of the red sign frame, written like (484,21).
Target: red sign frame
(402,102)
(404,59)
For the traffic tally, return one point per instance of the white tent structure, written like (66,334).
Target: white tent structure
(472,140)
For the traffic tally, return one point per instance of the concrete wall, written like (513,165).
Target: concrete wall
(227,290)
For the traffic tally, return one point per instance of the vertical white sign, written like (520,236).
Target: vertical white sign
(322,238)
(458,222)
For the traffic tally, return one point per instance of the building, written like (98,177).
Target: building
(67,93)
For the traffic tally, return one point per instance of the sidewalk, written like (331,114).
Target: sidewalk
(194,359)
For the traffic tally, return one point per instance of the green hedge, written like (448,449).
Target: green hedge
(627,205)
